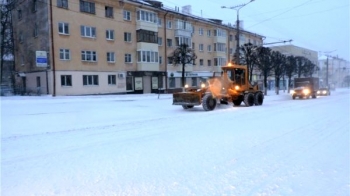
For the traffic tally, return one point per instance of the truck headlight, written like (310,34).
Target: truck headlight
(318,92)
(202,85)
(324,92)
(291,92)
(306,91)
(237,87)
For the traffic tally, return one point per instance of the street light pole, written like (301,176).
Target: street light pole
(237,8)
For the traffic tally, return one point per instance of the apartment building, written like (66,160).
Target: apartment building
(80,47)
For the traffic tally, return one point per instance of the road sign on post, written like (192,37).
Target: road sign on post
(41,59)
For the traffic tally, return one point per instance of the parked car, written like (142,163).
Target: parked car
(323,92)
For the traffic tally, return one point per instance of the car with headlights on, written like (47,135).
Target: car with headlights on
(323,92)
(305,88)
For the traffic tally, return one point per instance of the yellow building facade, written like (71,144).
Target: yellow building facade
(77,47)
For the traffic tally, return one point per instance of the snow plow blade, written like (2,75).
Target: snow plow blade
(186,98)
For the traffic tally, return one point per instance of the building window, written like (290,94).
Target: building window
(160,60)
(219,61)
(147,57)
(209,62)
(127,37)
(169,42)
(208,33)
(209,48)
(128,58)
(172,82)
(112,79)
(183,40)
(220,47)
(147,36)
(147,16)
(109,34)
(160,41)
(90,80)
(35,30)
(38,82)
(169,24)
(201,62)
(66,80)
(110,57)
(129,83)
(62,3)
(231,38)
(20,37)
(126,15)
(87,7)
(200,31)
(193,45)
(109,12)
(88,56)
(194,81)
(87,31)
(34,6)
(19,12)
(64,54)
(159,22)
(200,47)
(63,28)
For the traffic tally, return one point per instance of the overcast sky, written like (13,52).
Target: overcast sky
(319,25)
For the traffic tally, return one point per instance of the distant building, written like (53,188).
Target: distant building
(338,71)
(77,47)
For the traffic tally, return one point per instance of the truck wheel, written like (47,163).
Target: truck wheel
(259,98)
(293,96)
(187,106)
(249,99)
(209,102)
(237,102)
(314,96)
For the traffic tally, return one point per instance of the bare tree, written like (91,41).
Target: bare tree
(183,55)
(278,61)
(249,58)
(309,68)
(290,69)
(264,64)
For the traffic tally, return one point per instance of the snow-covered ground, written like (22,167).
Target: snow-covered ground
(142,145)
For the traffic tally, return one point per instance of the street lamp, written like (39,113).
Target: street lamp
(237,8)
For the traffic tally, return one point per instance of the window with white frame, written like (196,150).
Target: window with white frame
(160,41)
(208,33)
(171,82)
(220,33)
(112,79)
(194,81)
(209,48)
(110,34)
(169,42)
(219,61)
(90,80)
(147,16)
(169,24)
(110,57)
(127,58)
(184,25)
(126,15)
(88,56)
(200,31)
(183,40)
(147,57)
(86,31)
(200,47)
(66,80)
(209,62)
(220,47)
(63,28)
(64,54)
(159,22)
(127,37)
(160,60)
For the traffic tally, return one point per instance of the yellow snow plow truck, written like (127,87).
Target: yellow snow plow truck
(232,87)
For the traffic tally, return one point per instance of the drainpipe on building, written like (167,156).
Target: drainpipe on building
(52,53)
(165,56)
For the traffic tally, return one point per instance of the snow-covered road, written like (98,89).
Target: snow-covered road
(142,145)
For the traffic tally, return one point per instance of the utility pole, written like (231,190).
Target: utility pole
(237,7)
(327,63)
